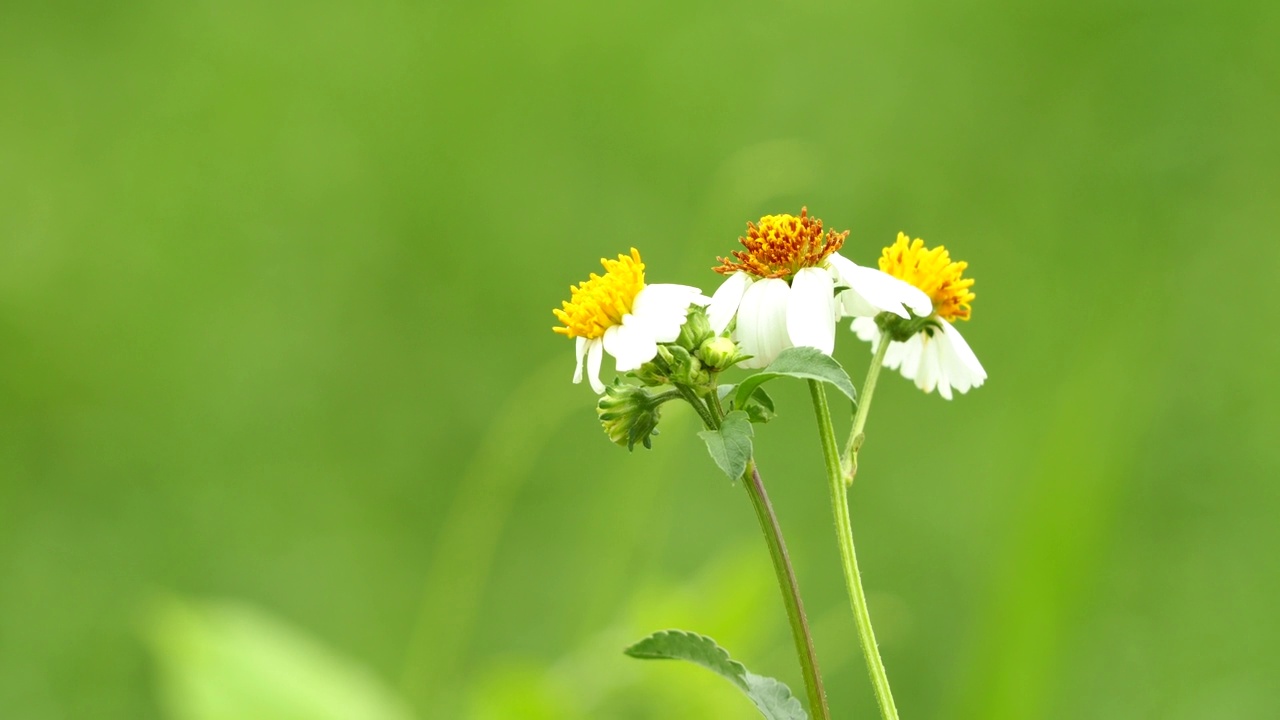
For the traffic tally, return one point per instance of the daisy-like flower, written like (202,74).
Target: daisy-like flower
(934,355)
(617,313)
(789,286)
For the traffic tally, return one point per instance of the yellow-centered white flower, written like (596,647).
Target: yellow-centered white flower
(936,356)
(790,286)
(616,313)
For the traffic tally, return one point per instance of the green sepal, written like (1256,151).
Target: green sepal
(771,697)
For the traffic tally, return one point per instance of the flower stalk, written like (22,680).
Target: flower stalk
(849,559)
(712,414)
(849,461)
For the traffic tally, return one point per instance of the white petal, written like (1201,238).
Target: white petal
(725,301)
(872,292)
(663,309)
(631,344)
(927,375)
(579,349)
(762,322)
(867,330)
(811,310)
(595,355)
(911,356)
(941,350)
(966,370)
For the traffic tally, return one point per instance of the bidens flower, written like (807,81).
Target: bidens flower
(618,314)
(928,350)
(789,286)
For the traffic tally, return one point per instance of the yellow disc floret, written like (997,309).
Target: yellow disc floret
(933,272)
(781,245)
(599,303)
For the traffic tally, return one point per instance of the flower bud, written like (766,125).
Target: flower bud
(720,353)
(696,329)
(685,368)
(629,415)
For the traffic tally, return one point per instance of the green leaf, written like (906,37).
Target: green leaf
(759,407)
(771,697)
(730,446)
(801,362)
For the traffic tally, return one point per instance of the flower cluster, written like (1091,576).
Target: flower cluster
(789,286)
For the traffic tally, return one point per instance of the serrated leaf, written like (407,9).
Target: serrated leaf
(730,446)
(800,362)
(759,408)
(771,697)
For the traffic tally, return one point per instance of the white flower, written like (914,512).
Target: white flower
(933,359)
(935,355)
(618,314)
(774,314)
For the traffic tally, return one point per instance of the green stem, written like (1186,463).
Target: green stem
(788,585)
(849,464)
(708,418)
(790,591)
(844,536)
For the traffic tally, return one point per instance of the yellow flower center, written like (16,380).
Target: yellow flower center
(933,272)
(597,304)
(781,245)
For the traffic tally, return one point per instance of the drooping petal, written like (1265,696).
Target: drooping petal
(872,292)
(911,357)
(595,355)
(927,375)
(579,350)
(867,330)
(811,310)
(965,368)
(941,348)
(725,301)
(762,322)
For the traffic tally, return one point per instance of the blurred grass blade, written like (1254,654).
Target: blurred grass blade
(225,661)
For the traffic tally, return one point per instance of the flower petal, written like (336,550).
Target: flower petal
(662,309)
(631,344)
(811,310)
(872,292)
(595,355)
(725,301)
(965,369)
(579,349)
(762,322)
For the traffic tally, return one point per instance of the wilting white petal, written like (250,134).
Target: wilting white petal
(965,370)
(595,355)
(579,349)
(762,322)
(725,301)
(872,292)
(811,310)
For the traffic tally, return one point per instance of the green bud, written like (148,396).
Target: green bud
(696,329)
(629,415)
(720,353)
(685,368)
(653,373)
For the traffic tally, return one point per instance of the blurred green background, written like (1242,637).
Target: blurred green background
(284,432)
